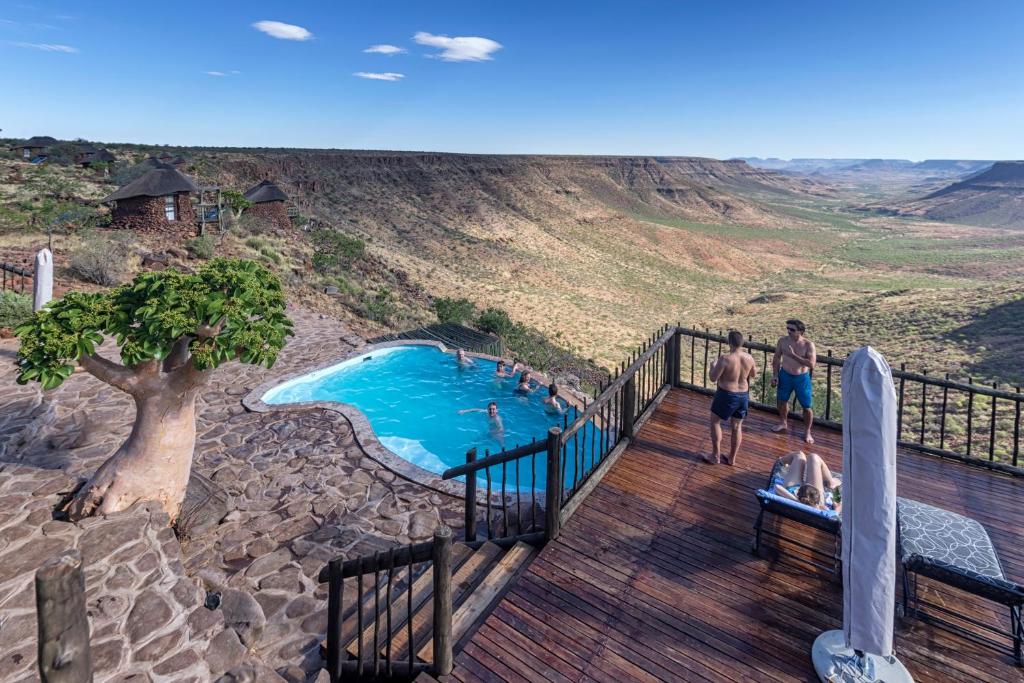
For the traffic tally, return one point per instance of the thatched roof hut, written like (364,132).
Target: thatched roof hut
(158,200)
(34,146)
(266,191)
(268,202)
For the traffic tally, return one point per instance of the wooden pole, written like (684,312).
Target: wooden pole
(443,658)
(629,407)
(63,624)
(470,498)
(553,490)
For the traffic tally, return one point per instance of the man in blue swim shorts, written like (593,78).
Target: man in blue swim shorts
(732,373)
(791,373)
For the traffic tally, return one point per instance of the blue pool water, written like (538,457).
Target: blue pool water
(412,396)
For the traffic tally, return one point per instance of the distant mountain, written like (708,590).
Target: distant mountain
(956,166)
(806,166)
(942,167)
(874,165)
(993,197)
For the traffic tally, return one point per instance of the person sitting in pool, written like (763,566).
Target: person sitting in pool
(551,403)
(496,426)
(503,372)
(806,478)
(525,385)
(462,359)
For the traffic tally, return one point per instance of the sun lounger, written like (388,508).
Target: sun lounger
(823,520)
(955,550)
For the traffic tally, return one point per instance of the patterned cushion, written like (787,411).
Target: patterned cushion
(936,536)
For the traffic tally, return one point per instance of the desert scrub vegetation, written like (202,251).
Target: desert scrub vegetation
(102,259)
(454,310)
(202,247)
(334,251)
(14,309)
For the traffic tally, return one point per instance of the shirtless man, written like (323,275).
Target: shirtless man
(732,373)
(791,372)
(551,403)
(462,359)
(495,426)
(502,372)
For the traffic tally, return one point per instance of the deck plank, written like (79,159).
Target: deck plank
(652,579)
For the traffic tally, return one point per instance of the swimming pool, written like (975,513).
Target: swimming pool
(412,395)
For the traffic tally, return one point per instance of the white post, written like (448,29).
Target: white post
(42,279)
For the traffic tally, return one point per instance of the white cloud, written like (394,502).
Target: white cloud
(215,73)
(277,29)
(459,48)
(385,76)
(385,50)
(47,47)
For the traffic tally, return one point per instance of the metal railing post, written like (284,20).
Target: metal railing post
(629,407)
(470,498)
(553,490)
(442,557)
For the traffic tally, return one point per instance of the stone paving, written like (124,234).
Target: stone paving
(303,491)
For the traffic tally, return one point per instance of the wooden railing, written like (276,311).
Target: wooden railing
(371,623)
(13,277)
(575,455)
(974,423)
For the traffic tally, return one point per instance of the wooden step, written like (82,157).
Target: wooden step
(475,607)
(422,590)
(469,575)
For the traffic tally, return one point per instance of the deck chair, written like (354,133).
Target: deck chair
(955,550)
(829,522)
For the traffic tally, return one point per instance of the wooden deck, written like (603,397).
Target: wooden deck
(653,579)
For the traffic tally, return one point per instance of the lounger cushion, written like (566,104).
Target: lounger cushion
(796,505)
(937,535)
(953,549)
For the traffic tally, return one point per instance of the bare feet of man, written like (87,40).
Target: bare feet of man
(779,429)
(709,459)
(808,438)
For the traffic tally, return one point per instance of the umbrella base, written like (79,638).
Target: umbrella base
(836,663)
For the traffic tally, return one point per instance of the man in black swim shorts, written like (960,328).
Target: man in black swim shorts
(732,373)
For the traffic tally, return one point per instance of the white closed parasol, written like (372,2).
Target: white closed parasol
(862,651)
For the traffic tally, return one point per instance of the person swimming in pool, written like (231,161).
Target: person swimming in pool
(552,404)
(496,427)
(807,477)
(462,359)
(525,385)
(503,372)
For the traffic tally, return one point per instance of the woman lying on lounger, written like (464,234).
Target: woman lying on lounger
(806,479)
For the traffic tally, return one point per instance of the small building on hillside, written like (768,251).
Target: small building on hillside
(33,147)
(268,202)
(160,200)
(88,155)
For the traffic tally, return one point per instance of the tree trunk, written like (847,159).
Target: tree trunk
(153,464)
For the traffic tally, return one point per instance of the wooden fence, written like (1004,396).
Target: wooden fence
(14,278)
(974,423)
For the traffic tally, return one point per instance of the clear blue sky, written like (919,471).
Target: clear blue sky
(828,78)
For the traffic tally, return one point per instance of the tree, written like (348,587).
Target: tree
(173,329)
(236,202)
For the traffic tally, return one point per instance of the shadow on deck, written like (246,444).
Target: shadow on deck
(653,578)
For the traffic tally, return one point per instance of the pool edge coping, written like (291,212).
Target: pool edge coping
(365,437)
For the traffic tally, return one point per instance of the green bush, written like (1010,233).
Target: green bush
(379,307)
(269,254)
(454,310)
(14,309)
(495,321)
(334,250)
(256,243)
(202,247)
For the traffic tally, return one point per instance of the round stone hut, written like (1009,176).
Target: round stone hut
(160,200)
(268,202)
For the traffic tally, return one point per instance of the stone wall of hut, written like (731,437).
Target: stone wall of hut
(146,214)
(274,213)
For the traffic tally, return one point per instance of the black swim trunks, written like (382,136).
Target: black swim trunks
(730,404)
